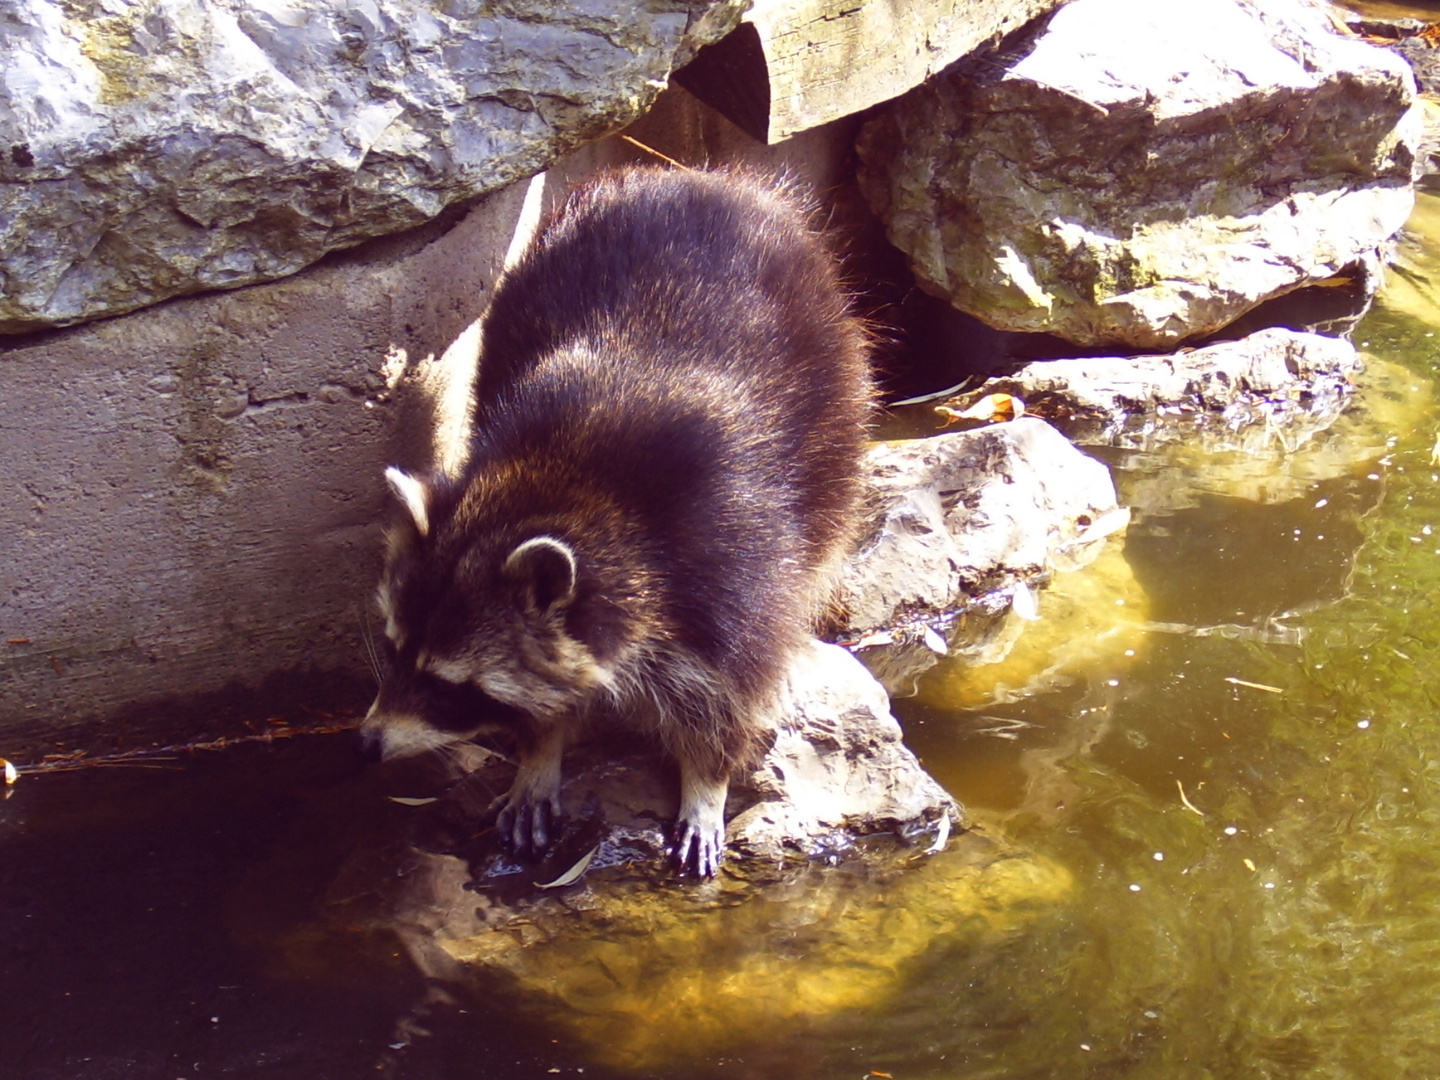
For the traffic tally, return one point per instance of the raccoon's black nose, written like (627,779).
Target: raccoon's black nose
(369,745)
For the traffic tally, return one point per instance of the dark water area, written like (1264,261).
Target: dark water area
(1220,742)
(156,921)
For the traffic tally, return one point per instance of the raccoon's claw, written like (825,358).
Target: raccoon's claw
(699,848)
(532,809)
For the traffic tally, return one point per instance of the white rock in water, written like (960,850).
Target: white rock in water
(1139,173)
(154,149)
(966,513)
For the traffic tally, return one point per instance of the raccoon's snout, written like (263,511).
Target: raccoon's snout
(370,745)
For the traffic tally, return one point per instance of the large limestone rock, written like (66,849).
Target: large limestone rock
(796,64)
(973,513)
(161,148)
(1138,173)
(964,527)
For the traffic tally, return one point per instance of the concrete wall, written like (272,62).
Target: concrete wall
(192,502)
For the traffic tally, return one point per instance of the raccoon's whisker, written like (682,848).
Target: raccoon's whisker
(368,636)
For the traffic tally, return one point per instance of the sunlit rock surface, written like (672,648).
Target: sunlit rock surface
(1138,173)
(158,149)
(965,525)
(1291,384)
(835,771)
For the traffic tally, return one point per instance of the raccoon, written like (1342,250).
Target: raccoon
(669,415)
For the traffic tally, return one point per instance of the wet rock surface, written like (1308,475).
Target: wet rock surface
(157,150)
(1145,174)
(837,824)
(1286,381)
(965,525)
(835,771)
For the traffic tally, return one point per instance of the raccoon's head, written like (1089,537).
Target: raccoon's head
(468,603)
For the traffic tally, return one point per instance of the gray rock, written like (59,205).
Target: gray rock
(965,526)
(160,149)
(838,768)
(1140,173)
(836,771)
(1285,380)
(970,513)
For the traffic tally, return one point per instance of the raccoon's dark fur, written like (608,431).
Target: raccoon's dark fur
(669,417)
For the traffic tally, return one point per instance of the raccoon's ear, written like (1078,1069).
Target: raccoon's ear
(413,494)
(545,570)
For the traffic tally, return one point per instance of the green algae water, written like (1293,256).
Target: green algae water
(1242,771)
(1218,749)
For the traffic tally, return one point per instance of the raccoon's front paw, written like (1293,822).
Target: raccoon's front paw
(700,846)
(700,830)
(527,822)
(532,809)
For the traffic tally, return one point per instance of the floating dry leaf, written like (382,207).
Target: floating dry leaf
(1112,521)
(934,641)
(992,408)
(879,637)
(1249,866)
(942,836)
(11,773)
(1186,802)
(1024,603)
(573,874)
(406,800)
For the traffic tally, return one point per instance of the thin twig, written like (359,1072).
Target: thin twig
(651,150)
(1253,685)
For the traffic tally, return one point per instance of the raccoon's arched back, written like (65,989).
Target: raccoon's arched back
(632,251)
(669,419)
(715,283)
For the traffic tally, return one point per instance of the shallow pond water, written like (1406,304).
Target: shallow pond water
(1224,732)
